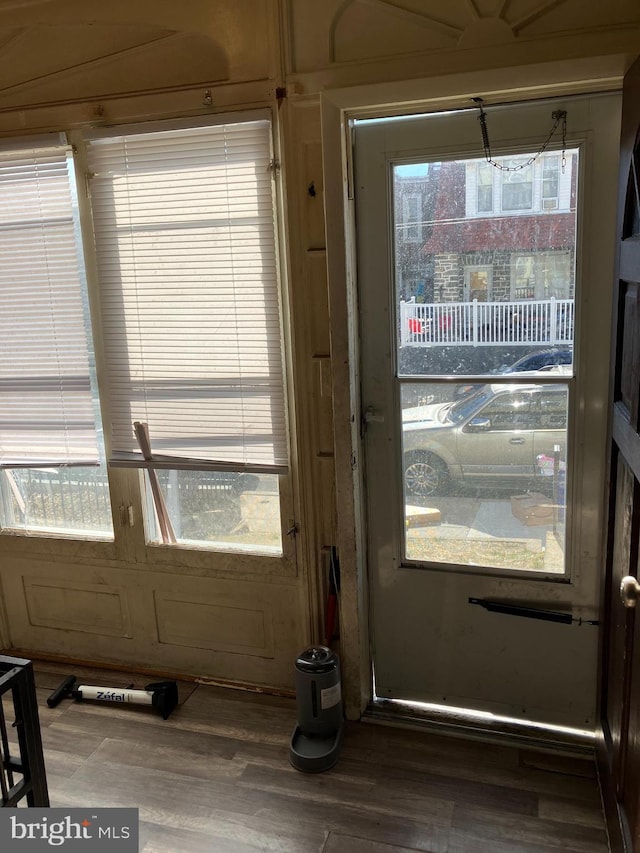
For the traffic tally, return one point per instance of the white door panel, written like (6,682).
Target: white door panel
(449,514)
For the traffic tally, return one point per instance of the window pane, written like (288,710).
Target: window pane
(517,186)
(412,218)
(51,412)
(513,264)
(524,278)
(542,276)
(187,267)
(63,501)
(478,283)
(47,415)
(550,174)
(222,510)
(484,474)
(556,274)
(485,187)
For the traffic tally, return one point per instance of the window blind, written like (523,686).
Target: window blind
(46,408)
(185,244)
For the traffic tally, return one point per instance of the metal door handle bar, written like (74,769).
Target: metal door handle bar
(629,591)
(516,441)
(531,612)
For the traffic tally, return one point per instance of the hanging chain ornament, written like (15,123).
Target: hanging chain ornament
(558,116)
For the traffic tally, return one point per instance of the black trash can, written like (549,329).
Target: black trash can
(316,740)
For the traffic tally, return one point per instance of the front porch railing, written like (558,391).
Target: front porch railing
(531,322)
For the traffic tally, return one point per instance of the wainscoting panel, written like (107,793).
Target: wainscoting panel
(223,625)
(169,623)
(92,608)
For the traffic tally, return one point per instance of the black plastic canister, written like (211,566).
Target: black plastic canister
(318,691)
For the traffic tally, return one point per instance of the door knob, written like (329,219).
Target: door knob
(629,591)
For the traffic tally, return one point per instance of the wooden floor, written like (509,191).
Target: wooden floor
(216,778)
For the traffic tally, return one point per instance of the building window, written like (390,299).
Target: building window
(550,182)
(517,186)
(190,325)
(52,467)
(541,276)
(536,188)
(485,175)
(412,217)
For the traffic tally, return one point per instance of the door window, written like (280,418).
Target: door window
(477,283)
(501,290)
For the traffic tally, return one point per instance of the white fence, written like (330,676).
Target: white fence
(536,321)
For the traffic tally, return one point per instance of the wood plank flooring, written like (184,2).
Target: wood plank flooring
(215,778)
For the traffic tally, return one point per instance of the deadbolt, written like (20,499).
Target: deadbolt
(629,591)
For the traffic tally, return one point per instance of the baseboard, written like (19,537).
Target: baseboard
(156,674)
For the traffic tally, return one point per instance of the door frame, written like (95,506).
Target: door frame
(338,107)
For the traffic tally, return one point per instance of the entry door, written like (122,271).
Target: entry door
(484,487)
(478,283)
(621,711)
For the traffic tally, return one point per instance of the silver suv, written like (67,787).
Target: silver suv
(491,438)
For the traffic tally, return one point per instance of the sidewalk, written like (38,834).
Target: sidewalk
(479,522)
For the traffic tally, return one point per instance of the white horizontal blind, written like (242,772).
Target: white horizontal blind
(46,409)
(184,229)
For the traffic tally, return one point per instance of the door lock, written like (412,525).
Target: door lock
(629,591)
(371,416)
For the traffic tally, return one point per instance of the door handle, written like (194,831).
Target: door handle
(516,441)
(629,591)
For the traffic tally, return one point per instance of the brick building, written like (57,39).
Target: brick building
(467,229)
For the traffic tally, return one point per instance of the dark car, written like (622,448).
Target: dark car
(541,360)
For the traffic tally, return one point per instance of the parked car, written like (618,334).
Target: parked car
(492,438)
(543,360)
(540,360)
